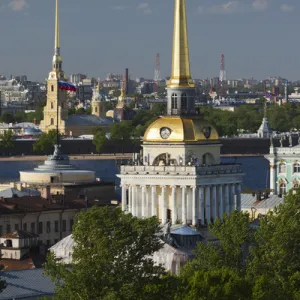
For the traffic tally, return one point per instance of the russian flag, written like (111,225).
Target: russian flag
(66,86)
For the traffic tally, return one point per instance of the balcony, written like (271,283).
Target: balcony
(182,170)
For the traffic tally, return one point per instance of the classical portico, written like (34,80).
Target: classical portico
(197,195)
(179,175)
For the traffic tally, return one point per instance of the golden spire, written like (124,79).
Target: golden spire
(57,60)
(57,41)
(121,99)
(181,75)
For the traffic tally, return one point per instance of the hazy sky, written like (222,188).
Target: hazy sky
(259,38)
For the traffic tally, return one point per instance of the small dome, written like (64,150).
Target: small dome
(110,114)
(172,129)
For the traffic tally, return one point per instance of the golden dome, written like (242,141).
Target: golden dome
(180,129)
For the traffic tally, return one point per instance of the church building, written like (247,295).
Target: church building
(56,109)
(179,176)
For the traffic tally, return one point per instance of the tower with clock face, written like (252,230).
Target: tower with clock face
(180,177)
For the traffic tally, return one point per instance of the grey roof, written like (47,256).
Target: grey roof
(183,230)
(20,234)
(25,284)
(87,120)
(248,201)
(13,192)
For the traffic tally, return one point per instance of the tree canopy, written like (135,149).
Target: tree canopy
(112,259)
(6,142)
(99,140)
(45,143)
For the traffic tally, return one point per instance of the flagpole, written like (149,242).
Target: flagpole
(57,131)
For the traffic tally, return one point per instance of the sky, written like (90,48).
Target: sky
(259,38)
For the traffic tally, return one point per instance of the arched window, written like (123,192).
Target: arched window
(96,109)
(184,101)
(174,101)
(52,121)
(282,168)
(297,168)
(282,189)
(52,105)
(296,186)
(52,88)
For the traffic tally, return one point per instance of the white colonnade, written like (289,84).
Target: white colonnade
(183,204)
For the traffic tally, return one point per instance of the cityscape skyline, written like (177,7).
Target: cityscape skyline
(251,49)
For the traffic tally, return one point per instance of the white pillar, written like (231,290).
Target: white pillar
(130,199)
(273,177)
(194,206)
(134,204)
(238,197)
(202,205)
(153,200)
(214,203)
(163,205)
(207,202)
(232,197)
(226,198)
(174,207)
(221,201)
(143,202)
(148,202)
(189,205)
(124,197)
(183,194)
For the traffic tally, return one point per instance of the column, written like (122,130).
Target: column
(174,208)
(226,198)
(207,202)
(273,178)
(130,199)
(143,201)
(194,206)
(133,196)
(238,197)
(214,202)
(202,205)
(163,205)
(221,201)
(153,200)
(124,198)
(148,202)
(183,194)
(189,205)
(232,197)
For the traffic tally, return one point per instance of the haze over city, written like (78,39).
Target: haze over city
(258,37)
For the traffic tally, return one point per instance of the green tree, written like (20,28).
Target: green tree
(275,260)
(159,109)
(7,141)
(99,140)
(112,259)
(223,283)
(45,143)
(7,118)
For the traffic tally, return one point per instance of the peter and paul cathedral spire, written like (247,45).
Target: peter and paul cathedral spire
(56,109)
(57,59)
(181,88)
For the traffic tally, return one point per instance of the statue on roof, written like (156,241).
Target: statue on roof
(290,140)
(281,141)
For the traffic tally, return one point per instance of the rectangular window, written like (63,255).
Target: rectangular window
(64,225)
(48,243)
(25,226)
(48,226)
(71,224)
(8,228)
(56,241)
(56,226)
(1,230)
(32,227)
(40,227)
(16,227)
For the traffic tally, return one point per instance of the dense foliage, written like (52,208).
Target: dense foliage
(6,143)
(99,140)
(45,143)
(113,259)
